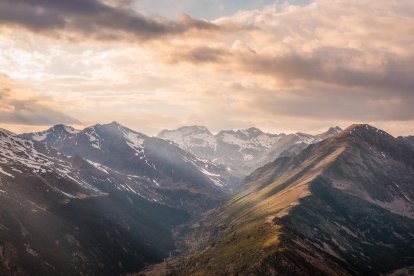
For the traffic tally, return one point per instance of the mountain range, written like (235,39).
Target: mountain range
(150,167)
(108,200)
(242,150)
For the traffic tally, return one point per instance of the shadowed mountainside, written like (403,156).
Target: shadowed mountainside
(60,215)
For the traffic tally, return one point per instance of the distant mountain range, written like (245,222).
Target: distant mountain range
(343,206)
(108,200)
(242,150)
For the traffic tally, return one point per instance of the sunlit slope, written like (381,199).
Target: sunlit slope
(342,206)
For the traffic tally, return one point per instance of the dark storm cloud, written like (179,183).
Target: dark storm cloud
(93,18)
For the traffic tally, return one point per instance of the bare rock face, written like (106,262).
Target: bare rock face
(343,206)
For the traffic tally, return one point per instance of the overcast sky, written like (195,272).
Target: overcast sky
(282,66)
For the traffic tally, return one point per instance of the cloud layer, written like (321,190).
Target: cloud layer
(283,67)
(349,60)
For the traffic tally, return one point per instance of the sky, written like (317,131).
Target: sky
(281,66)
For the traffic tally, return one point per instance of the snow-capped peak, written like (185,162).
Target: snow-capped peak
(190,136)
(186,130)
(250,132)
(56,133)
(65,128)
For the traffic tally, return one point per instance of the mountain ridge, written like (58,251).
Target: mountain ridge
(310,213)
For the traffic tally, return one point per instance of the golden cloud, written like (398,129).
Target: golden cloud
(19,105)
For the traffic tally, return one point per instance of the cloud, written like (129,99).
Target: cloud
(199,55)
(293,68)
(19,106)
(203,8)
(104,20)
(346,43)
(347,60)
(320,103)
(334,66)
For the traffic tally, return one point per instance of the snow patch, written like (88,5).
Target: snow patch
(71,130)
(97,166)
(6,173)
(93,137)
(247,157)
(135,141)
(40,136)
